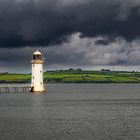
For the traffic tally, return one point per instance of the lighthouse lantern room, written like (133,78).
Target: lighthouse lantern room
(37,73)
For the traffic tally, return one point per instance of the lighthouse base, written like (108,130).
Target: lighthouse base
(37,89)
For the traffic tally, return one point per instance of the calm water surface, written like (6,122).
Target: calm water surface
(72,112)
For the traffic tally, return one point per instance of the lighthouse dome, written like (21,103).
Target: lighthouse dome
(37,52)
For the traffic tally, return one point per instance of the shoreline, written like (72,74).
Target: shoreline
(75,76)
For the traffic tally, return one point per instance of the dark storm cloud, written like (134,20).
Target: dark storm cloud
(45,22)
(90,54)
(69,54)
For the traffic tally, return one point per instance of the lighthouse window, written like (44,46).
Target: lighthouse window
(40,83)
(37,57)
(33,65)
(33,77)
(40,71)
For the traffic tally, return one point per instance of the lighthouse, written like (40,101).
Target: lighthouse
(37,73)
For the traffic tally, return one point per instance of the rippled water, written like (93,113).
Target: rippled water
(72,112)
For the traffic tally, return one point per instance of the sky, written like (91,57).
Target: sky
(87,34)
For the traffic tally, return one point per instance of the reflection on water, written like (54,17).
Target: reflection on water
(37,112)
(72,112)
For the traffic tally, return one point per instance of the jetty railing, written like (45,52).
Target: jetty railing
(14,88)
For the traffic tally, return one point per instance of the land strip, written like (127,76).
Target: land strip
(76,76)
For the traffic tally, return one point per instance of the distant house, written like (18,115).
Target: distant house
(105,70)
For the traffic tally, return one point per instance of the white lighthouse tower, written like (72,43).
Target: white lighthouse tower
(37,73)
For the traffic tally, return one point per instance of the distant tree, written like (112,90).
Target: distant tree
(70,69)
(79,69)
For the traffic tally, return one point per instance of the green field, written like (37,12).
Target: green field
(14,78)
(76,76)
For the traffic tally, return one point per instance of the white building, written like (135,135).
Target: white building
(37,73)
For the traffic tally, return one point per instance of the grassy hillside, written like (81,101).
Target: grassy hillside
(15,78)
(76,76)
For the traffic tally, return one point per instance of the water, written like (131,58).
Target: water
(72,112)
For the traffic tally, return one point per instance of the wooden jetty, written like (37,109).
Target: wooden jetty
(14,88)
